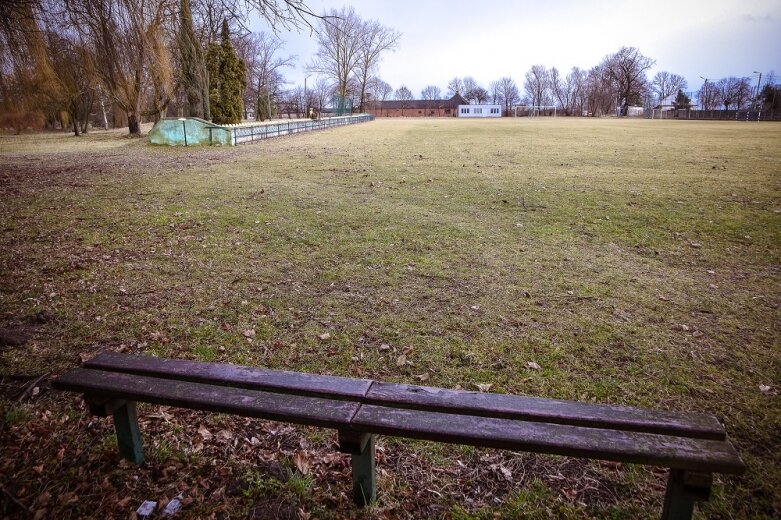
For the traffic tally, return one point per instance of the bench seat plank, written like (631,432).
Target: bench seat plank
(312,411)
(702,455)
(546,410)
(280,381)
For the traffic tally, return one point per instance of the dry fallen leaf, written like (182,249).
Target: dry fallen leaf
(203,432)
(249,333)
(302,463)
(423,377)
(324,336)
(483,387)
(533,365)
(401,361)
(765,389)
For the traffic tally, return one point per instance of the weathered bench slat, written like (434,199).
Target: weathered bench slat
(280,381)
(546,410)
(312,411)
(702,455)
(417,397)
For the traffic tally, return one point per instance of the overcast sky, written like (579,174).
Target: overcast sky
(494,38)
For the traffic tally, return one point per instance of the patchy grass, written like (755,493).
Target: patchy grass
(636,262)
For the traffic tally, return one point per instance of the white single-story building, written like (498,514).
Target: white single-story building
(479,111)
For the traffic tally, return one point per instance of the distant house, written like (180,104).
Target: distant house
(479,110)
(416,107)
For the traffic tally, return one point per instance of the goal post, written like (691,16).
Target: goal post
(535,110)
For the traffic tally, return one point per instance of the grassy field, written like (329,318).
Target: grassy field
(636,262)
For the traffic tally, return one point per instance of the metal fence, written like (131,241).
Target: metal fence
(252,133)
(718,115)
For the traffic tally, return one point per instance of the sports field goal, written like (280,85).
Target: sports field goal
(535,110)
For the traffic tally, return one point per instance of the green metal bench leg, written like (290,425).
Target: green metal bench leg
(683,490)
(364,475)
(128,435)
(361,448)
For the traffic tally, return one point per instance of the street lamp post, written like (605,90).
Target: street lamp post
(306,98)
(759,80)
(705,92)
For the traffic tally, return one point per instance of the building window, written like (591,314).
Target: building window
(478,110)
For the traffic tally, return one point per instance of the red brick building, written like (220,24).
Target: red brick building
(416,107)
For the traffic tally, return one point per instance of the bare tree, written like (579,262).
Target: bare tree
(666,84)
(46,71)
(279,13)
(558,89)
(493,92)
(472,90)
(404,95)
(74,79)
(262,54)
(380,90)
(599,92)
(566,90)
(430,94)
(626,69)
(536,85)
(508,93)
(575,84)
(127,39)
(455,86)
(322,91)
(376,39)
(339,37)
(733,92)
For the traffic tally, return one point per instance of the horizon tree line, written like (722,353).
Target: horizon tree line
(134,60)
(141,59)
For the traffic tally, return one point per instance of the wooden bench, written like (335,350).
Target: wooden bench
(694,446)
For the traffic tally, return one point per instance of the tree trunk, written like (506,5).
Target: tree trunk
(133,124)
(76,128)
(103,110)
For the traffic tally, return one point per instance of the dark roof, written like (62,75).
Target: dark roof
(421,104)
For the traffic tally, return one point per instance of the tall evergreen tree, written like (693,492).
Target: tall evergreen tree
(194,76)
(227,80)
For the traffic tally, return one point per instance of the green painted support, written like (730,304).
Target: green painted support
(361,447)
(128,434)
(683,490)
(364,475)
